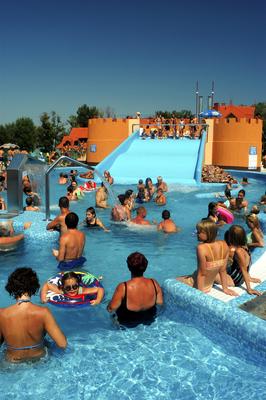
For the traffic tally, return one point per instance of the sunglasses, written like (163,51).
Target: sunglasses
(71,287)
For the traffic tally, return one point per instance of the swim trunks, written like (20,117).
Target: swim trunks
(71,264)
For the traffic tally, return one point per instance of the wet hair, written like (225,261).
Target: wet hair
(137,264)
(63,202)
(140,181)
(61,175)
(245,179)
(166,214)
(29,201)
(27,190)
(22,281)
(128,193)
(72,220)
(208,227)
(254,219)
(121,198)
(91,210)
(242,191)
(140,210)
(237,236)
(147,180)
(70,275)
(255,210)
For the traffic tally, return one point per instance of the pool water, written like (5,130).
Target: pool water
(175,357)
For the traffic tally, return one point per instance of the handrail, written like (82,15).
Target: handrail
(47,179)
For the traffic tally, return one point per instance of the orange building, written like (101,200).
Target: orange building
(232,111)
(76,136)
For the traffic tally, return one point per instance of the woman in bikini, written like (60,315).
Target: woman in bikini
(135,301)
(239,260)
(212,259)
(23,325)
(255,237)
(92,221)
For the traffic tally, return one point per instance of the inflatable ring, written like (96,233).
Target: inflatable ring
(226,215)
(81,300)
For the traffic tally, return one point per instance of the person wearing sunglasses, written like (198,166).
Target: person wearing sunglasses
(70,285)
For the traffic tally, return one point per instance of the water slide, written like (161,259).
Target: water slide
(177,161)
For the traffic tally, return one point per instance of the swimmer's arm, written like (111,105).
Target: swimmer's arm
(223,276)
(101,225)
(46,287)
(258,242)
(201,267)
(99,291)
(116,300)
(62,250)
(242,264)
(53,330)
(159,227)
(53,224)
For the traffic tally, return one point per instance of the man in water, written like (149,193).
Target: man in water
(140,218)
(101,197)
(58,223)
(239,203)
(71,245)
(167,225)
(161,184)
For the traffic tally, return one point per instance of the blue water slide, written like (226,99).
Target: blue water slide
(177,161)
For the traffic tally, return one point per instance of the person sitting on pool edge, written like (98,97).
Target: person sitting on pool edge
(167,225)
(8,239)
(135,301)
(23,325)
(71,245)
(71,286)
(212,259)
(92,221)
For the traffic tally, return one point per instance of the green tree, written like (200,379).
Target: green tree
(84,113)
(175,113)
(23,133)
(50,131)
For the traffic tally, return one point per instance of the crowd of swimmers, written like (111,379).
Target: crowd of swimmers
(226,262)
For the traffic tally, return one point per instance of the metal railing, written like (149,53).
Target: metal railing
(47,179)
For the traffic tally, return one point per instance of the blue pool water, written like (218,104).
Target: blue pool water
(177,357)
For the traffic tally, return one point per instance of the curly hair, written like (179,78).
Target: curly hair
(22,281)
(137,263)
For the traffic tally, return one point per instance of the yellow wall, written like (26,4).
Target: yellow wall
(229,141)
(107,134)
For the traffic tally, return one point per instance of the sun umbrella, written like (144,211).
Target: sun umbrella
(210,114)
(9,146)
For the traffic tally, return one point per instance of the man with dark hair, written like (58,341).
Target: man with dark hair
(36,200)
(239,203)
(167,225)
(58,223)
(71,245)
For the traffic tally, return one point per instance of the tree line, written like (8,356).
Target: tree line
(51,129)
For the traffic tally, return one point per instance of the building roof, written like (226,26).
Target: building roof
(75,135)
(233,111)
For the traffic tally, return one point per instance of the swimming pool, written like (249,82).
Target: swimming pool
(179,356)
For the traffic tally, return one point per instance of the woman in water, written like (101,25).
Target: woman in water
(108,177)
(92,221)
(135,301)
(151,189)
(70,285)
(23,325)
(212,256)
(255,237)
(238,270)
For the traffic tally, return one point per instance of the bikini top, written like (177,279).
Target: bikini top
(214,264)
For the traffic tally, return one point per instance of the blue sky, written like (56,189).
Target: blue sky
(128,55)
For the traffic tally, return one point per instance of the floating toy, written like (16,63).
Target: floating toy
(63,300)
(226,215)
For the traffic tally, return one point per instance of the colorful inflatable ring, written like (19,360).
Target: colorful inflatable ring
(81,300)
(226,215)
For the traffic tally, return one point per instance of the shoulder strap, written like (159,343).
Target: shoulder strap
(209,247)
(155,289)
